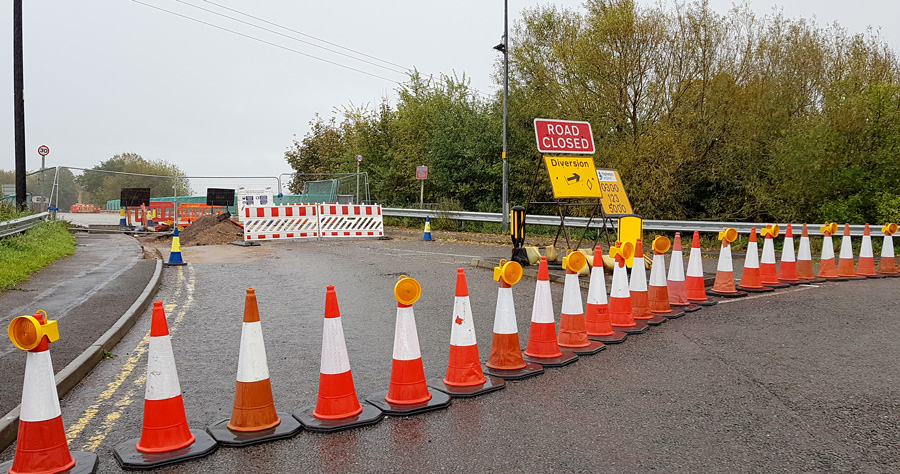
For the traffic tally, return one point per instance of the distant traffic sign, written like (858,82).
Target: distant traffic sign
(43,150)
(563,136)
(421,172)
(573,176)
(359,158)
(615,201)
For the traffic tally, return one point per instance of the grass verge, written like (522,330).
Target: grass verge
(23,254)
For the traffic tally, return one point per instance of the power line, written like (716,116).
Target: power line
(265,42)
(291,37)
(303,34)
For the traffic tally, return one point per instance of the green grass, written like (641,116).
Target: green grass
(23,254)
(9,212)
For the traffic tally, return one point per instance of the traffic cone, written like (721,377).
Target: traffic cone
(41,444)
(887,265)
(337,407)
(253,419)
(408,393)
(572,325)
(827,267)
(596,314)
(768,274)
(506,359)
(787,272)
(621,314)
(694,281)
(166,437)
(658,291)
(804,259)
(637,287)
(175,255)
(866,265)
(427,235)
(543,348)
(678,298)
(465,378)
(724,285)
(845,262)
(750,280)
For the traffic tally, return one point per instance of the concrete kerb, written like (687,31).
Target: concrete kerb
(82,365)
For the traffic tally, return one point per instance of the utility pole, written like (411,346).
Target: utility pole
(504,48)
(19,100)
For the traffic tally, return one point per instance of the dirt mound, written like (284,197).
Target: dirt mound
(211,230)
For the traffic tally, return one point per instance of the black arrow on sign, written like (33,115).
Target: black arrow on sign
(574,177)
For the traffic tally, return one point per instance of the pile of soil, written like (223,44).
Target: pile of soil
(211,230)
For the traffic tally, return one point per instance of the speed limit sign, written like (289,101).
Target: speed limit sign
(359,158)
(43,150)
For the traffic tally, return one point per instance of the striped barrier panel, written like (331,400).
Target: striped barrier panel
(340,220)
(293,221)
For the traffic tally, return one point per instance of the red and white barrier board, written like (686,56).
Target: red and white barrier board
(345,220)
(293,221)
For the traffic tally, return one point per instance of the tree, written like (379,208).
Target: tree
(104,182)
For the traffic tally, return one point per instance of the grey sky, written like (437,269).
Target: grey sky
(110,76)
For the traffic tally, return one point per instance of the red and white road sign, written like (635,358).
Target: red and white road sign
(563,136)
(43,150)
(359,158)
(421,172)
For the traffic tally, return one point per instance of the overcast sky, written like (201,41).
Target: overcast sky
(109,76)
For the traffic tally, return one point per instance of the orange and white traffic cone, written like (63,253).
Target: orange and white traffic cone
(506,359)
(804,259)
(845,268)
(253,419)
(678,298)
(572,326)
(724,285)
(166,437)
(621,314)
(658,290)
(465,377)
(41,444)
(543,347)
(408,393)
(768,273)
(637,287)
(694,281)
(888,265)
(598,325)
(787,272)
(827,266)
(750,279)
(866,266)
(338,407)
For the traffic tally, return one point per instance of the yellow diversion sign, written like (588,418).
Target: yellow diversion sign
(573,176)
(615,201)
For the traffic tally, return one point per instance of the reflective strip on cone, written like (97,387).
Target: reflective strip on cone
(252,365)
(39,397)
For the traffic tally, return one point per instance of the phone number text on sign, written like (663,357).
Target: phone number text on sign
(613,197)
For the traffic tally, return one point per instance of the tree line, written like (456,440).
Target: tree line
(707,115)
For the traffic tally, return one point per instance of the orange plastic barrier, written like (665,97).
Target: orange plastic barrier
(189,212)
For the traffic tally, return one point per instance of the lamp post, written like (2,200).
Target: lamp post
(504,48)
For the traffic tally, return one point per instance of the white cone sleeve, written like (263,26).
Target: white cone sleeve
(597,288)
(676,266)
(462,332)
(542,310)
(638,276)
(571,303)
(695,263)
(505,315)
(865,250)
(887,250)
(406,339)
(162,378)
(827,248)
(252,366)
(846,248)
(803,253)
(725,264)
(334,348)
(752,258)
(40,401)
(658,271)
(787,252)
(768,255)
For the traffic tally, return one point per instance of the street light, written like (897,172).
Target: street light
(504,48)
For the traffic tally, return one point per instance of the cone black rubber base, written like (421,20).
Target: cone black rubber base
(530,370)
(129,457)
(178,264)
(438,401)
(778,285)
(793,282)
(835,279)
(236,439)
(85,463)
(890,275)
(566,358)
(369,416)
(690,308)
(764,289)
(736,294)
(653,321)
(876,276)
(640,327)
(845,277)
(617,337)
(672,314)
(817,280)
(589,350)
(491,384)
(705,303)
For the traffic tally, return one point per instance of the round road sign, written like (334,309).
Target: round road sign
(43,150)
(359,158)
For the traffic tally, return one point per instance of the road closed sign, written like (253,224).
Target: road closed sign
(613,198)
(573,176)
(563,136)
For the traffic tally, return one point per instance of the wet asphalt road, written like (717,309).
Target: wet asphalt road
(800,380)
